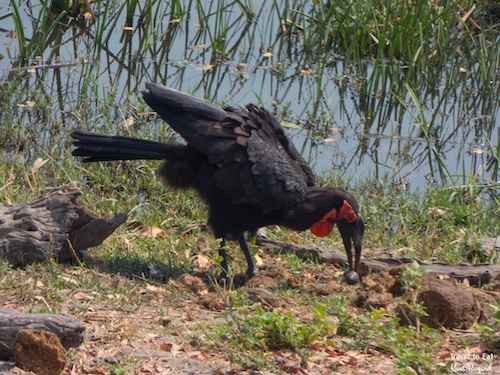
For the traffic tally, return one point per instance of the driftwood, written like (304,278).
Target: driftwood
(69,329)
(53,226)
(476,274)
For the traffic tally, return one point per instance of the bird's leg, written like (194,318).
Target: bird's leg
(223,255)
(251,272)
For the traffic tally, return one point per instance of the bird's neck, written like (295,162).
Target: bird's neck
(317,203)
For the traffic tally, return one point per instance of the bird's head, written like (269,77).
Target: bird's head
(351,227)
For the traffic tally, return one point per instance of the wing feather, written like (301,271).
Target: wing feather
(257,163)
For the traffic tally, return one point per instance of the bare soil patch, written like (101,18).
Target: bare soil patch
(161,329)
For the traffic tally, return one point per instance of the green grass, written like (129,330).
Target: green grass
(127,262)
(443,223)
(250,338)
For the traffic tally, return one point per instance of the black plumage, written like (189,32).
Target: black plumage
(243,166)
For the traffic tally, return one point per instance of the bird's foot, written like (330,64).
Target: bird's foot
(237,281)
(252,273)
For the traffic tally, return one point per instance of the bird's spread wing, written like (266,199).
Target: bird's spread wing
(258,164)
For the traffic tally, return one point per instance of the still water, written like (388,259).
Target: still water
(248,53)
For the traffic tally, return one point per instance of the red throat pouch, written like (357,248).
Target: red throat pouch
(324,227)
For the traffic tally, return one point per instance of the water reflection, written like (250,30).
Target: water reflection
(355,118)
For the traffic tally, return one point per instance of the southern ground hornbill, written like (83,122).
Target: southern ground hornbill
(243,166)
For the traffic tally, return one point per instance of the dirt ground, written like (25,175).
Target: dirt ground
(128,339)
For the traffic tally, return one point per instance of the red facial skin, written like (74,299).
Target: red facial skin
(324,227)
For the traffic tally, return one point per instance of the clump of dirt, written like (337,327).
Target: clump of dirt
(452,305)
(189,283)
(269,277)
(39,351)
(494,284)
(266,298)
(449,305)
(377,291)
(213,301)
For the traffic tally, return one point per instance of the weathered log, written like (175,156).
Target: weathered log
(476,274)
(69,329)
(53,226)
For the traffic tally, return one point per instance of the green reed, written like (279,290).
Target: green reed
(387,55)
(44,28)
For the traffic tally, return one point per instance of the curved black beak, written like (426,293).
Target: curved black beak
(352,233)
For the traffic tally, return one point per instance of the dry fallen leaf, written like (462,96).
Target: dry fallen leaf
(89,15)
(151,232)
(27,104)
(201,46)
(39,163)
(436,211)
(203,261)
(258,260)
(165,346)
(39,284)
(127,123)
(69,280)
(309,275)
(175,349)
(479,151)
(205,67)
(152,288)
(80,295)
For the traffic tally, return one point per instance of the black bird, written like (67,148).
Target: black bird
(243,166)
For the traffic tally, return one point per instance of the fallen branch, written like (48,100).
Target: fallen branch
(69,329)
(53,226)
(477,274)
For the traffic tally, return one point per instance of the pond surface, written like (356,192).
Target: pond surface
(344,117)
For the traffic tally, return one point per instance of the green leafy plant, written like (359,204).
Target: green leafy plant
(413,284)
(259,334)
(489,331)
(414,349)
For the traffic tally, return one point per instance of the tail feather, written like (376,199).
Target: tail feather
(191,117)
(101,147)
